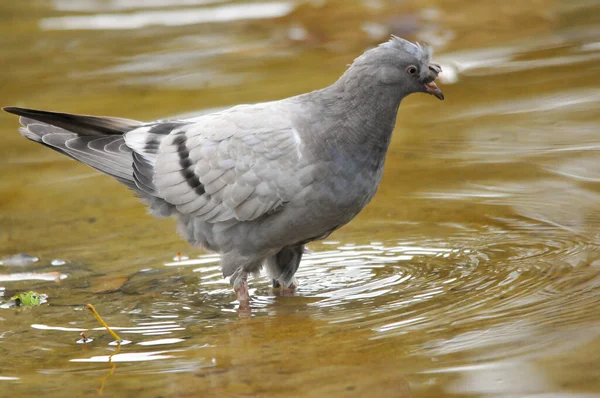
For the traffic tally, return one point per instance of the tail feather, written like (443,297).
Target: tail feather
(82,124)
(100,143)
(92,150)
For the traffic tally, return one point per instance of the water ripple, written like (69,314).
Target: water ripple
(168,17)
(493,277)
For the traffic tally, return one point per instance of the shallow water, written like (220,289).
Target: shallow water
(475,271)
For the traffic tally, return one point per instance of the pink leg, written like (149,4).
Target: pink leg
(242,294)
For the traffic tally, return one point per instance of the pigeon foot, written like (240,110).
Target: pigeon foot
(280,290)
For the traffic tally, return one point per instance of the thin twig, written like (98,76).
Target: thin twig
(91,308)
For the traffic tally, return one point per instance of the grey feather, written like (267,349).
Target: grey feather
(282,266)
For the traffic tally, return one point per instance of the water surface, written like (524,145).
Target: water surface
(475,271)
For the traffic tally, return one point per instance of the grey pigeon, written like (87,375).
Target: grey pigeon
(257,182)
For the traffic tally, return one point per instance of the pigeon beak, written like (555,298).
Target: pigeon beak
(433,89)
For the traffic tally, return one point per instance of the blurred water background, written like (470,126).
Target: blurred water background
(475,271)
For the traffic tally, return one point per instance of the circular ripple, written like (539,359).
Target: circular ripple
(493,280)
(484,288)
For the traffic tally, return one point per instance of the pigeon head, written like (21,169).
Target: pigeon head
(403,64)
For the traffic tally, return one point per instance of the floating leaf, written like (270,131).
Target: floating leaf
(28,299)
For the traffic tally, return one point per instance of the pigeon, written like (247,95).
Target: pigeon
(256,182)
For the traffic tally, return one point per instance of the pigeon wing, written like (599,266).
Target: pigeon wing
(239,164)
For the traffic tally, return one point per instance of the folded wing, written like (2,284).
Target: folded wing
(238,164)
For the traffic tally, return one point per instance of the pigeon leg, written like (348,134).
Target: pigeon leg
(242,293)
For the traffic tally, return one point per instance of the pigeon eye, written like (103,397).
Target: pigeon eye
(411,70)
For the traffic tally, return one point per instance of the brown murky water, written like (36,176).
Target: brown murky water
(475,271)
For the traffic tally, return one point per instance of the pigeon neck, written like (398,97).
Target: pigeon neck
(371,108)
(351,123)
(365,110)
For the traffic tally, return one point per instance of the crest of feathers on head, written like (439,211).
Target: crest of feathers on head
(420,52)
